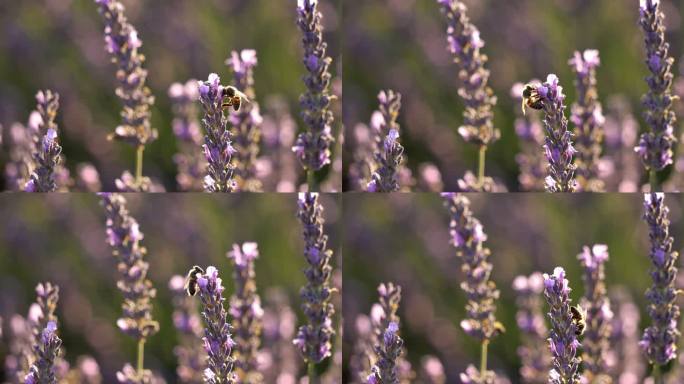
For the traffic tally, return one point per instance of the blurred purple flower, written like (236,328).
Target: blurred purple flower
(47,151)
(384,371)
(46,352)
(189,352)
(387,150)
(190,162)
(533,353)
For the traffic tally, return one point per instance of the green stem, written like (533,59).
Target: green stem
(139,164)
(312,373)
(311,180)
(141,357)
(483,358)
(481,166)
(658,377)
(653,180)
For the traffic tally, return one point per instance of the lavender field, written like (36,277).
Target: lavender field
(110,271)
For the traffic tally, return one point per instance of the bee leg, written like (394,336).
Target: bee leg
(523,106)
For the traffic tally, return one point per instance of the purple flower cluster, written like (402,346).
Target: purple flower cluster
(388,151)
(191,164)
(563,341)
(530,132)
(189,352)
(534,356)
(655,145)
(314,339)
(46,155)
(659,342)
(218,341)
(246,122)
(587,116)
(432,370)
(122,43)
(124,236)
(218,148)
(625,357)
(596,343)
(468,237)
(46,351)
(465,44)
(245,308)
(313,146)
(385,369)
(558,143)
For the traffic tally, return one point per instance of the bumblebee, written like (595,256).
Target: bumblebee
(531,98)
(233,98)
(579,318)
(191,286)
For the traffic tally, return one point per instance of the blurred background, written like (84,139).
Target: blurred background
(61,239)
(401,44)
(59,44)
(405,239)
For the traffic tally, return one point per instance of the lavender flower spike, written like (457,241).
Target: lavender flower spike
(465,44)
(47,351)
(218,148)
(563,341)
(314,340)
(189,351)
(245,307)
(659,342)
(313,146)
(655,146)
(247,121)
(124,236)
(191,164)
(599,315)
(46,156)
(533,353)
(385,369)
(218,341)
(588,119)
(558,143)
(122,43)
(388,153)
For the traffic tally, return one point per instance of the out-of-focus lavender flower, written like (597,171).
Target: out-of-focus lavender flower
(190,162)
(278,360)
(46,351)
(599,315)
(430,178)
(88,370)
(468,236)
(245,308)
(20,155)
(659,342)
(464,43)
(528,127)
(18,359)
(88,178)
(218,148)
(313,146)
(122,43)
(359,170)
(533,353)
(587,116)
(246,121)
(432,370)
(620,168)
(388,151)
(314,339)
(655,145)
(471,183)
(46,155)
(384,371)
(218,341)
(473,376)
(625,361)
(277,167)
(189,352)
(558,146)
(124,236)
(563,340)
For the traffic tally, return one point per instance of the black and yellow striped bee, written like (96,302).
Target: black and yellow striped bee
(531,98)
(233,98)
(579,318)
(191,286)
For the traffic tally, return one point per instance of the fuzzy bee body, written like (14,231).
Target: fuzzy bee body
(233,98)
(191,286)
(531,98)
(579,318)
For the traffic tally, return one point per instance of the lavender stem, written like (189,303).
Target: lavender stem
(481,166)
(483,358)
(139,164)
(312,373)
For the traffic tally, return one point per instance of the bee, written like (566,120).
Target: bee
(579,318)
(191,280)
(233,98)
(531,98)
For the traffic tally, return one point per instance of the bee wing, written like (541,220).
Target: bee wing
(241,95)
